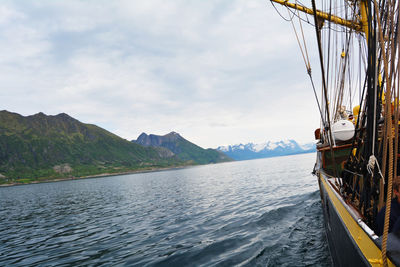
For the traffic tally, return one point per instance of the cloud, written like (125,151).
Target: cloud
(218,72)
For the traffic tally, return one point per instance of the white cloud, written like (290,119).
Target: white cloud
(7,15)
(218,72)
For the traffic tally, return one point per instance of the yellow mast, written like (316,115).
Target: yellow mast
(364,21)
(359,26)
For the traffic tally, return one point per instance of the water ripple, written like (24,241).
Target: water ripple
(251,213)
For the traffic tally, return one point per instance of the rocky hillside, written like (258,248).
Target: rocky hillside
(182,148)
(57,146)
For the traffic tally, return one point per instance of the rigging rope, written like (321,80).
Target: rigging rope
(306,61)
(371,165)
(304,41)
(389,136)
(318,32)
(372,153)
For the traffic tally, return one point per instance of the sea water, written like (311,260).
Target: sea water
(264,212)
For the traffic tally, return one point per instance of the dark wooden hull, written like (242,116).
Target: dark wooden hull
(351,242)
(344,250)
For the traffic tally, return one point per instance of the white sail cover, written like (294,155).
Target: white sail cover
(343,130)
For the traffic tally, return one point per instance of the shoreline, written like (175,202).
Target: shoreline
(134,172)
(98,175)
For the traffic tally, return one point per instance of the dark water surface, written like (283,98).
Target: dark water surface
(251,213)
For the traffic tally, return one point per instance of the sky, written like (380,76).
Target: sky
(219,72)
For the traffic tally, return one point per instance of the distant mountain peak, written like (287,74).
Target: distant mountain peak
(4,112)
(181,147)
(172,134)
(267,149)
(157,140)
(142,135)
(62,115)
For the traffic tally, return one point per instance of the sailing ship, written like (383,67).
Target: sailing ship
(358,139)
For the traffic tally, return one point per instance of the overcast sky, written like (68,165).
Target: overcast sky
(218,72)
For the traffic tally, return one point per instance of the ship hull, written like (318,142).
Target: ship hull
(351,242)
(344,250)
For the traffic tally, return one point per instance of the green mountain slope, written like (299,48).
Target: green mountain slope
(41,146)
(182,148)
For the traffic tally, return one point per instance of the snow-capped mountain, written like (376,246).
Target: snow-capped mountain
(266,150)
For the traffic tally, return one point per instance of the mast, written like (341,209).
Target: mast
(371,87)
(360,179)
(372,160)
(355,25)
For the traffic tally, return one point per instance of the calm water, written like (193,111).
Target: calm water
(262,212)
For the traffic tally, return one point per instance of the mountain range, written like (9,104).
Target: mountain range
(266,150)
(48,147)
(42,147)
(182,148)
